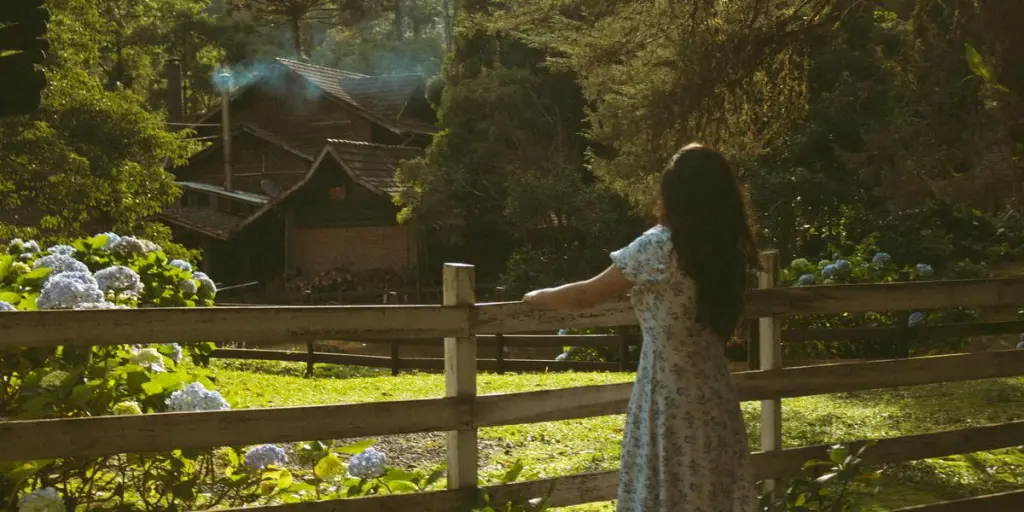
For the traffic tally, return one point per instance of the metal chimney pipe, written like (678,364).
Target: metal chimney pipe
(175,92)
(225,121)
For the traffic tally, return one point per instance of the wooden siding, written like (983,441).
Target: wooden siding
(360,207)
(356,249)
(252,161)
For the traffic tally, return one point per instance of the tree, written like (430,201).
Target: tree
(91,159)
(505,180)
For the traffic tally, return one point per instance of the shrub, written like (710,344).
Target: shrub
(105,272)
(866,264)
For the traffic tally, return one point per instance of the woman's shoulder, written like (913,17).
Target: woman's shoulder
(660,236)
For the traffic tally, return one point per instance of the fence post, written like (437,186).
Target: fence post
(460,377)
(623,352)
(395,368)
(311,352)
(770,348)
(499,339)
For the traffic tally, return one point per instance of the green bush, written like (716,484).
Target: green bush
(111,272)
(865,264)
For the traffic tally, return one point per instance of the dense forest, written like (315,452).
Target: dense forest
(890,125)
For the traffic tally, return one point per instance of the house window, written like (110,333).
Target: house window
(338,193)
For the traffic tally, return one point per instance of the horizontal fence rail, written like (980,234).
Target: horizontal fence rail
(315,323)
(43,439)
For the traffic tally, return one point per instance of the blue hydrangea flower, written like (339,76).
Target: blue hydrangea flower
(804,280)
(924,269)
(188,286)
(843,266)
(119,280)
(265,455)
(195,397)
(880,258)
(563,332)
(66,250)
(564,356)
(182,264)
(149,358)
(176,353)
(60,263)
(206,285)
(69,290)
(101,305)
(18,246)
(829,271)
(371,463)
(132,245)
(6,306)
(916,319)
(1021,344)
(42,500)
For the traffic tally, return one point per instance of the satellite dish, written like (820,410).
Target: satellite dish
(270,188)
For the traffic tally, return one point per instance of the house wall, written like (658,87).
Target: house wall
(359,248)
(355,230)
(252,161)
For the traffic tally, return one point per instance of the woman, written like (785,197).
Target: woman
(685,446)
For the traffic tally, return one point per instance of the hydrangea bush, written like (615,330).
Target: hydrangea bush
(105,271)
(866,264)
(108,271)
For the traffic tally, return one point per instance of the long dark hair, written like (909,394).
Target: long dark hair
(705,207)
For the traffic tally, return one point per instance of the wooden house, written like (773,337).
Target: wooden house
(307,183)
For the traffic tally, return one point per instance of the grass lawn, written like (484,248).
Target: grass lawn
(575,446)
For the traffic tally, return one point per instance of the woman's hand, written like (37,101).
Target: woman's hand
(539,298)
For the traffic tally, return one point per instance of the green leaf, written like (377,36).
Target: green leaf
(980,68)
(356,448)
(152,388)
(328,466)
(12,298)
(513,473)
(838,454)
(434,476)
(401,486)
(395,475)
(34,278)
(284,480)
(98,241)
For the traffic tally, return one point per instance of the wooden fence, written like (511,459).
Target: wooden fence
(500,363)
(461,412)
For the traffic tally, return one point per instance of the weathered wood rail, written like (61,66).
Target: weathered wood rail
(461,412)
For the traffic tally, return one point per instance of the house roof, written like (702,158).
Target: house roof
(248,197)
(294,147)
(371,165)
(204,220)
(356,90)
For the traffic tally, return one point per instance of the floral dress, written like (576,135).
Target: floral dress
(685,446)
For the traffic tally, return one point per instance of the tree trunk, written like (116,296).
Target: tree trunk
(399,21)
(296,25)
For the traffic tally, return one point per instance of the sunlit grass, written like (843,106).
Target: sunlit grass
(592,444)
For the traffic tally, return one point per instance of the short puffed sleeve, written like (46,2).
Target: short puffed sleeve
(648,259)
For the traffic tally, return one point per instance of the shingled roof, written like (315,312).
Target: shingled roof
(204,220)
(372,165)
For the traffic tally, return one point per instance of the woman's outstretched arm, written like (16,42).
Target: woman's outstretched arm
(583,294)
